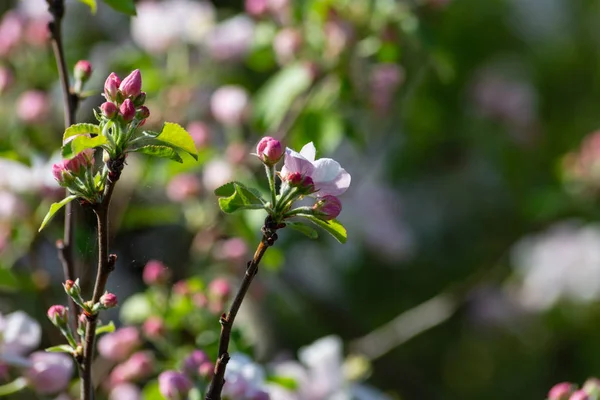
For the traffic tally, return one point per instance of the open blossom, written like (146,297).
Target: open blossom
(328,176)
(49,372)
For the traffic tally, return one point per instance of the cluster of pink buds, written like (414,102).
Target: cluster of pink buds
(125,98)
(568,391)
(67,171)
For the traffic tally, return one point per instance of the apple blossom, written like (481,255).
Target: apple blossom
(580,395)
(155,273)
(328,207)
(328,176)
(127,110)
(174,385)
(269,150)
(82,70)
(109,300)
(118,345)
(131,86)
(111,87)
(561,391)
(58,315)
(109,109)
(49,372)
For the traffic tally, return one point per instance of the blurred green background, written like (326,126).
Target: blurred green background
(462,123)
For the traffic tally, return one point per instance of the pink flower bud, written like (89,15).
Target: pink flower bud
(33,106)
(193,361)
(580,395)
(199,132)
(50,372)
(154,327)
(174,385)
(155,273)
(269,150)
(62,175)
(109,300)
(118,345)
(560,391)
(127,110)
(109,109)
(328,207)
(111,87)
(131,85)
(139,366)
(219,288)
(58,315)
(256,8)
(83,70)
(72,288)
(302,182)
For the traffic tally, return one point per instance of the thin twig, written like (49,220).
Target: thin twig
(70,104)
(268,239)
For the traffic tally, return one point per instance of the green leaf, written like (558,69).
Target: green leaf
(91,4)
(8,281)
(284,381)
(108,328)
(174,135)
(123,6)
(54,208)
(151,391)
(81,129)
(301,227)
(13,387)
(229,188)
(136,309)
(275,98)
(63,348)
(333,227)
(242,199)
(159,151)
(80,143)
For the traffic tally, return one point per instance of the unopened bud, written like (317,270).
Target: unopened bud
(328,207)
(72,288)
(109,300)
(304,183)
(580,395)
(111,87)
(155,273)
(132,85)
(83,70)
(109,109)
(58,315)
(269,150)
(127,110)
(140,99)
(143,113)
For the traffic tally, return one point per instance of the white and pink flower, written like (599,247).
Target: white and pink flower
(329,178)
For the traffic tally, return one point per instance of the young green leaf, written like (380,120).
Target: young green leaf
(108,328)
(54,208)
(123,6)
(174,135)
(159,151)
(91,4)
(242,199)
(80,143)
(81,129)
(300,227)
(333,227)
(63,348)
(229,188)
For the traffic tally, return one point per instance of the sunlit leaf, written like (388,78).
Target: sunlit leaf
(80,143)
(333,227)
(63,348)
(54,208)
(91,3)
(159,151)
(174,135)
(108,328)
(242,198)
(123,6)
(80,129)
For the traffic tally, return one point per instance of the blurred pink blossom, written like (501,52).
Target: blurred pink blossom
(154,327)
(156,273)
(200,133)
(33,106)
(236,153)
(183,187)
(11,31)
(139,366)
(174,385)
(125,391)
(256,8)
(233,249)
(231,39)
(118,345)
(384,81)
(19,333)
(286,45)
(6,79)
(36,31)
(229,104)
(49,372)
(217,172)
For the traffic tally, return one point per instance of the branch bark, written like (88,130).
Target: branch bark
(70,104)
(268,239)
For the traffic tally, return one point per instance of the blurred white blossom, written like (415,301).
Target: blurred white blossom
(560,263)
(19,334)
(231,39)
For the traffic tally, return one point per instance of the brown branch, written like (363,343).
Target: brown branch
(70,103)
(106,264)
(268,239)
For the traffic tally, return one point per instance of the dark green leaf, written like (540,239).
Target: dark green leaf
(301,227)
(80,143)
(54,208)
(123,6)
(63,348)
(81,129)
(108,328)
(91,4)
(159,151)
(242,199)
(8,280)
(174,135)
(333,227)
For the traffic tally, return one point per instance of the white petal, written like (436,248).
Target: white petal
(309,152)
(295,162)
(326,170)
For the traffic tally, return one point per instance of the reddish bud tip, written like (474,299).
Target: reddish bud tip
(82,70)
(269,150)
(109,300)
(109,109)
(111,87)
(57,314)
(560,391)
(143,112)
(328,207)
